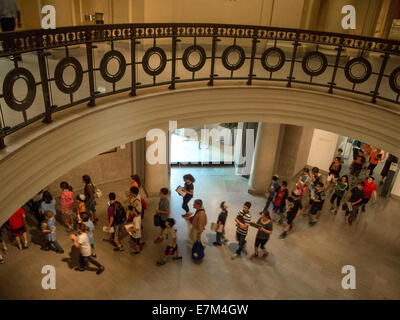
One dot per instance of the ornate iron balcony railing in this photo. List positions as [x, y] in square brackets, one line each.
[198, 50]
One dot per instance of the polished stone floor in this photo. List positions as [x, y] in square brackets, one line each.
[305, 265]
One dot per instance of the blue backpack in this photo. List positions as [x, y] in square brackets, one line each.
[198, 251]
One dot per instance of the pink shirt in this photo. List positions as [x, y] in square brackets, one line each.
[67, 200]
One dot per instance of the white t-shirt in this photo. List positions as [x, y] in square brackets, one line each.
[83, 240]
[137, 223]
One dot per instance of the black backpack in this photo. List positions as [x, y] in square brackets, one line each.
[119, 213]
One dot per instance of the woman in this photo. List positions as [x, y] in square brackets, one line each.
[340, 189]
[189, 189]
[262, 237]
[90, 200]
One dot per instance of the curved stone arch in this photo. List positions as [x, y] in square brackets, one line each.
[81, 134]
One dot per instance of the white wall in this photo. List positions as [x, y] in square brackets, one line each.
[323, 148]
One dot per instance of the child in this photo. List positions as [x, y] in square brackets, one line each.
[81, 207]
[356, 166]
[273, 191]
[49, 229]
[18, 229]
[221, 224]
[262, 237]
[334, 171]
[280, 203]
[89, 223]
[317, 203]
[163, 211]
[129, 214]
[82, 242]
[135, 232]
[340, 190]
[67, 205]
[172, 246]
[189, 188]
[242, 227]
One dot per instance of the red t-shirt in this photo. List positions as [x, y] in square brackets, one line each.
[368, 189]
[16, 221]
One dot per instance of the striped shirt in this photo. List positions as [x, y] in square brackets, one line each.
[247, 219]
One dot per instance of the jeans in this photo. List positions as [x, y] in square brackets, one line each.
[338, 199]
[91, 208]
[186, 200]
[241, 238]
[56, 244]
[220, 237]
[268, 203]
[83, 261]
[371, 168]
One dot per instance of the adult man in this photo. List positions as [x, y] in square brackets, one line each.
[293, 211]
[163, 211]
[369, 190]
[353, 200]
[199, 220]
[116, 215]
[242, 227]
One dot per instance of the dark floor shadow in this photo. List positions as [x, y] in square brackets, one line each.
[73, 259]
[31, 220]
[233, 246]
[37, 237]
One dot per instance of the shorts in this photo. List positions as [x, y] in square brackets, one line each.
[365, 201]
[290, 217]
[261, 243]
[136, 241]
[117, 230]
[162, 224]
[170, 251]
[18, 232]
[92, 245]
[331, 177]
[314, 210]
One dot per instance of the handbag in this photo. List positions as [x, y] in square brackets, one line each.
[157, 220]
[198, 250]
[98, 192]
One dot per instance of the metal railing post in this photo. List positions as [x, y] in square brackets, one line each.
[339, 52]
[380, 76]
[89, 53]
[295, 45]
[173, 61]
[45, 85]
[253, 54]
[213, 50]
[133, 62]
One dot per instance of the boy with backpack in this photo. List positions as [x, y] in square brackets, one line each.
[116, 218]
[172, 246]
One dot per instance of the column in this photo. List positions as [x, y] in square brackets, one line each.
[294, 151]
[263, 164]
[395, 193]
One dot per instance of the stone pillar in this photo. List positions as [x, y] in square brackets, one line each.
[244, 145]
[263, 164]
[156, 175]
[294, 150]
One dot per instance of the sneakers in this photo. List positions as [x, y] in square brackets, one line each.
[264, 256]
[79, 269]
[217, 244]
[161, 262]
[20, 246]
[118, 248]
[235, 256]
[26, 245]
[312, 223]
[100, 270]
[283, 235]
[253, 256]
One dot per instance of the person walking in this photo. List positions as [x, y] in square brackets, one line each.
[375, 157]
[281, 202]
[90, 197]
[369, 190]
[242, 220]
[116, 218]
[48, 204]
[353, 201]
[67, 205]
[199, 221]
[334, 172]
[82, 242]
[221, 224]
[294, 210]
[172, 243]
[263, 234]
[272, 191]
[18, 229]
[50, 233]
[317, 203]
[90, 225]
[340, 189]
[136, 232]
[163, 211]
[189, 189]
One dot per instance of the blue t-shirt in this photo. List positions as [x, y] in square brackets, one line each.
[276, 189]
[52, 236]
[90, 225]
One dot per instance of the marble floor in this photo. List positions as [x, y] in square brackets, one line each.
[305, 265]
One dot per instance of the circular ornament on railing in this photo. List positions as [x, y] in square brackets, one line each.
[154, 71]
[58, 75]
[394, 80]
[358, 70]
[8, 86]
[191, 51]
[314, 63]
[113, 54]
[239, 61]
[273, 53]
